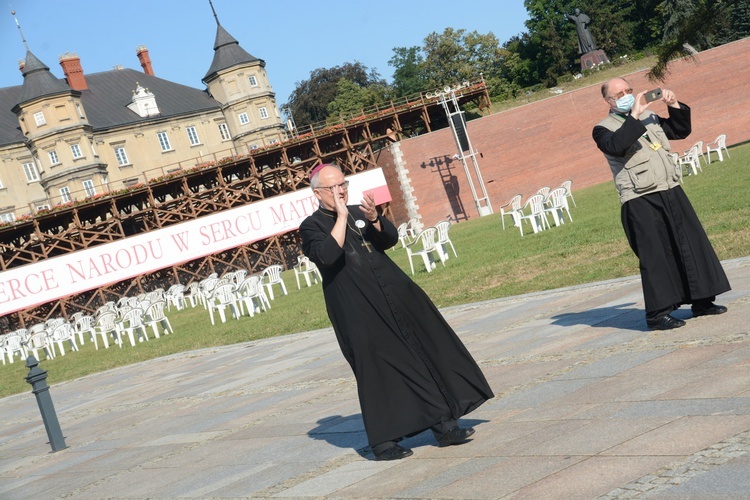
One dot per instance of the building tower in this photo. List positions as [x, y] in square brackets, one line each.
[239, 82]
[57, 133]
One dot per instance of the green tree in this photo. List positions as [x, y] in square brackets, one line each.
[454, 56]
[690, 25]
[352, 98]
[409, 72]
[309, 101]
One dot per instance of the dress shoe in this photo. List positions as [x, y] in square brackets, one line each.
[668, 322]
[709, 311]
[395, 452]
[456, 435]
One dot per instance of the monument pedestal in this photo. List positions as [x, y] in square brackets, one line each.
[593, 58]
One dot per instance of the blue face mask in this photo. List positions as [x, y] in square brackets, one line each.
[624, 103]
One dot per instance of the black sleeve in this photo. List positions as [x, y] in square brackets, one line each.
[678, 125]
[318, 244]
[386, 237]
[617, 143]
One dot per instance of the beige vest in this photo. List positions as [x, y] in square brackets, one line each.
[642, 170]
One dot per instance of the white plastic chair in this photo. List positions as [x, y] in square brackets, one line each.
[175, 296]
[716, 147]
[239, 276]
[223, 297]
[106, 326]
[14, 345]
[443, 239]
[555, 204]
[130, 323]
[512, 208]
[691, 159]
[536, 216]
[250, 295]
[306, 268]
[403, 235]
[194, 294]
[60, 334]
[412, 228]
[699, 146]
[424, 246]
[544, 191]
[156, 317]
[272, 276]
[40, 342]
[568, 185]
[206, 288]
[85, 324]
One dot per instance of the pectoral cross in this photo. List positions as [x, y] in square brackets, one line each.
[367, 245]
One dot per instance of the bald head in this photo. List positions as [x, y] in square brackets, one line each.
[315, 180]
[613, 82]
[327, 184]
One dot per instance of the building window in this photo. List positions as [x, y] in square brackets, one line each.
[8, 217]
[76, 149]
[1, 184]
[80, 111]
[40, 120]
[65, 194]
[193, 136]
[224, 131]
[244, 120]
[30, 170]
[164, 141]
[88, 186]
[272, 142]
[53, 159]
[263, 113]
[253, 81]
[122, 156]
[43, 206]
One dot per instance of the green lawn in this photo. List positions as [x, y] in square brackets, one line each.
[491, 263]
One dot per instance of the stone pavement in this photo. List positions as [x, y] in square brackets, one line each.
[588, 404]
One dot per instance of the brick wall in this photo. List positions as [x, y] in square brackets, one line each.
[549, 141]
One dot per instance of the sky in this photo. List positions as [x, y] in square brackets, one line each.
[293, 37]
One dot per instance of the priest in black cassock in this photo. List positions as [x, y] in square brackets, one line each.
[677, 262]
[412, 371]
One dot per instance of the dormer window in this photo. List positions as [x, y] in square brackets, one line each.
[143, 102]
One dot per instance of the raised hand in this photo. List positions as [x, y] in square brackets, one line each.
[368, 207]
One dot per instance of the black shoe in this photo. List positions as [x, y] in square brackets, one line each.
[456, 435]
[711, 310]
[395, 452]
[668, 322]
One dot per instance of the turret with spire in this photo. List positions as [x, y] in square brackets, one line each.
[238, 80]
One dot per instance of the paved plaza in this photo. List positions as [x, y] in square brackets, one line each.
[589, 404]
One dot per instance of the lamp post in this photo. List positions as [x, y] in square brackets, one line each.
[38, 380]
[466, 152]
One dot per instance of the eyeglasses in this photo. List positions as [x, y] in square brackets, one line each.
[620, 95]
[344, 185]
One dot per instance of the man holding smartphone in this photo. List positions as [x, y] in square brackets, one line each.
[677, 262]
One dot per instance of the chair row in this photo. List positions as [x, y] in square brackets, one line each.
[534, 211]
[691, 158]
[108, 323]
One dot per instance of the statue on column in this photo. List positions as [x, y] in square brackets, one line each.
[590, 55]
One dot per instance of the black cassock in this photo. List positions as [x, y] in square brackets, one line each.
[677, 262]
[412, 370]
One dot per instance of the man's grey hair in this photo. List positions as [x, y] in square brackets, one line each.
[315, 179]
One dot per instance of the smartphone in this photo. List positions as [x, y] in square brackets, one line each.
[653, 95]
